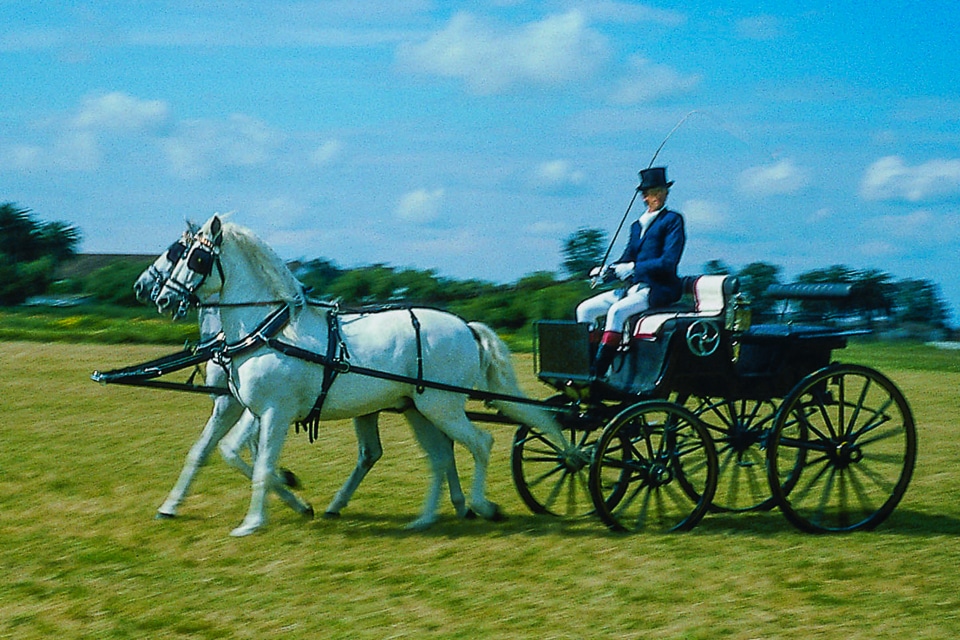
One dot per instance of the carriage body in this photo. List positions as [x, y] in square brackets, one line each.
[736, 416]
[706, 348]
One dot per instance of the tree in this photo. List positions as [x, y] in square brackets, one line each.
[583, 250]
[113, 283]
[871, 292]
[920, 301]
[716, 268]
[755, 279]
[30, 251]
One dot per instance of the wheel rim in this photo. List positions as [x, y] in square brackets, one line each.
[740, 430]
[549, 480]
[655, 469]
[853, 434]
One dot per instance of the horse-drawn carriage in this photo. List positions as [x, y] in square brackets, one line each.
[701, 410]
[704, 411]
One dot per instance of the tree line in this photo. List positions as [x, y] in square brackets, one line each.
[30, 251]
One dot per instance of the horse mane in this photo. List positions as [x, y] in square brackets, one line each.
[266, 261]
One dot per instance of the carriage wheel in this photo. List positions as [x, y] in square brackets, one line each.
[551, 481]
[854, 433]
[646, 462]
[740, 429]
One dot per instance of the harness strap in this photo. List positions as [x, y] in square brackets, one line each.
[311, 424]
[416, 329]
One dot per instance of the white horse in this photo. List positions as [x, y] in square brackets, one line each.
[229, 262]
[234, 428]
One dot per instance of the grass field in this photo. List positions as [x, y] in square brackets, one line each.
[83, 468]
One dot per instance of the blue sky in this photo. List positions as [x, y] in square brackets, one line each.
[473, 137]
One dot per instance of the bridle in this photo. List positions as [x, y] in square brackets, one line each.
[202, 256]
[173, 254]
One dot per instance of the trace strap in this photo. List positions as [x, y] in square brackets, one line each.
[333, 361]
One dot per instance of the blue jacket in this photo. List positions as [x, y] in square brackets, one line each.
[657, 256]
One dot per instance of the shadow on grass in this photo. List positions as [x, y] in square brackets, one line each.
[360, 524]
[771, 523]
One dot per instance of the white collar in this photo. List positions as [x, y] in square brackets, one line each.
[647, 216]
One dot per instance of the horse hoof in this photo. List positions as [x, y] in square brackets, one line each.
[290, 479]
[308, 513]
[164, 516]
[491, 513]
[420, 524]
[243, 531]
[330, 515]
[470, 514]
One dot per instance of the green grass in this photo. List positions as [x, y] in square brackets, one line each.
[83, 468]
[103, 325]
[901, 355]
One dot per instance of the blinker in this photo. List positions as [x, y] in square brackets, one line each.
[176, 251]
[201, 261]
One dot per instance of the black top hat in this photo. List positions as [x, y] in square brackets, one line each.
[652, 178]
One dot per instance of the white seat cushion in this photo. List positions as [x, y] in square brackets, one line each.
[709, 303]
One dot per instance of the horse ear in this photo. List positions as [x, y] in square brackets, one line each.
[216, 231]
[192, 227]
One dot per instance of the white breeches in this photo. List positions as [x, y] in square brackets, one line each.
[618, 304]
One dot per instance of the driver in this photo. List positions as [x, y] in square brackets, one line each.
[648, 268]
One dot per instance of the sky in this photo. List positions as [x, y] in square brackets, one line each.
[472, 138]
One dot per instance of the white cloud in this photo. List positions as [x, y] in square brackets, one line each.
[632, 13]
[557, 174]
[914, 224]
[73, 142]
[703, 215]
[421, 206]
[547, 228]
[200, 147]
[120, 112]
[326, 153]
[783, 177]
[762, 27]
[71, 151]
[649, 81]
[890, 178]
[552, 52]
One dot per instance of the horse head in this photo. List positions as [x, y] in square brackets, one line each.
[188, 279]
[147, 286]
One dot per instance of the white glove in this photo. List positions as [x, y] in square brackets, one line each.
[595, 272]
[623, 270]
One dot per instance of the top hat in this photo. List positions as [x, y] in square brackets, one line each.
[653, 178]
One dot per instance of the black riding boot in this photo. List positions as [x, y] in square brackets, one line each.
[602, 362]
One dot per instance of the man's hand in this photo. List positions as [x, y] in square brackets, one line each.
[623, 270]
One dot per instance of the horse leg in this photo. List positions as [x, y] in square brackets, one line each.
[446, 411]
[226, 411]
[439, 449]
[244, 434]
[274, 423]
[369, 450]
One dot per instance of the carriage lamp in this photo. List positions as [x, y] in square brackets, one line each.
[738, 317]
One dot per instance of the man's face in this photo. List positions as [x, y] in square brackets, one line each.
[655, 198]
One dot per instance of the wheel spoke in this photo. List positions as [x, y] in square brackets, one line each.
[551, 480]
[662, 477]
[864, 441]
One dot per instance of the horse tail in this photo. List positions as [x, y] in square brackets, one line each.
[499, 376]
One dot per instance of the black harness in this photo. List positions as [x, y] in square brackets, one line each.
[202, 256]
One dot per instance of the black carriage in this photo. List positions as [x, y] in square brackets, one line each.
[703, 410]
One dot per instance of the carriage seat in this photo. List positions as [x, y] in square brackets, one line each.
[710, 297]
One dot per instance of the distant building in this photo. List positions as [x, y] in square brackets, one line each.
[83, 264]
